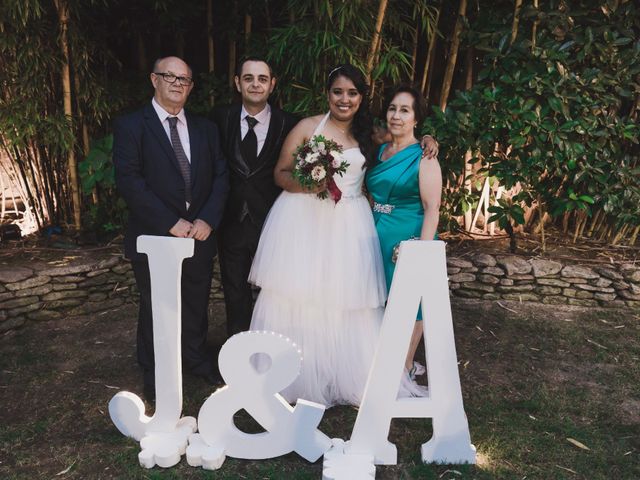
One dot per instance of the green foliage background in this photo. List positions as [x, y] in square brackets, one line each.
[558, 119]
[556, 122]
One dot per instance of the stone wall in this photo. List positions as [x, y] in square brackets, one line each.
[510, 277]
[43, 292]
[94, 283]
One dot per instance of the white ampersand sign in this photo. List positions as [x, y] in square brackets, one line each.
[287, 428]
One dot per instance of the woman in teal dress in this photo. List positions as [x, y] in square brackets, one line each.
[406, 189]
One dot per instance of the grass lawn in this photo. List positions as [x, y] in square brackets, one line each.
[550, 393]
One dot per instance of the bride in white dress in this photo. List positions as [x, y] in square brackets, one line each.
[318, 262]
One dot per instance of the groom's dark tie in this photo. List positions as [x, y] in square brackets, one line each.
[249, 144]
[183, 161]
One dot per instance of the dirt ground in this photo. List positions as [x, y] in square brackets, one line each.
[57, 377]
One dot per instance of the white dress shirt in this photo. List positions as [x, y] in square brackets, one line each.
[181, 125]
[261, 128]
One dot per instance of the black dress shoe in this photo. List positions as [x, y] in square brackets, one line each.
[149, 392]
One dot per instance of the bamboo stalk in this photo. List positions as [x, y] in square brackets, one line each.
[620, 235]
[141, 55]
[516, 21]
[247, 30]
[4, 198]
[580, 221]
[594, 222]
[634, 236]
[543, 240]
[565, 222]
[601, 222]
[534, 29]
[584, 225]
[414, 54]
[210, 45]
[453, 55]
[429, 60]
[63, 17]
[376, 40]
[231, 71]
[232, 61]
[267, 15]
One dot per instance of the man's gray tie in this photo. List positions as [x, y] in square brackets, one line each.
[183, 161]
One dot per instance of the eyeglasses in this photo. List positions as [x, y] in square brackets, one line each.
[171, 78]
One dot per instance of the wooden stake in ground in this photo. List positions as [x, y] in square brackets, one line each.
[63, 18]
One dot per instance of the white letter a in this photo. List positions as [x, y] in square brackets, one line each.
[420, 275]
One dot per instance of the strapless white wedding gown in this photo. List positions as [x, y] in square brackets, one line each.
[322, 282]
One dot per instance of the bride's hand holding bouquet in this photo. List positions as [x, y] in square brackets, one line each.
[316, 163]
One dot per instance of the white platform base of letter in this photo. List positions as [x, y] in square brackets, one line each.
[338, 465]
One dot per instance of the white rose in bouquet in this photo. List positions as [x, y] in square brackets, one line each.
[337, 159]
[312, 158]
[318, 173]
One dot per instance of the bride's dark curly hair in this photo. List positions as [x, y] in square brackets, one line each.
[362, 125]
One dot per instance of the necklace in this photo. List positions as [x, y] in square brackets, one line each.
[344, 131]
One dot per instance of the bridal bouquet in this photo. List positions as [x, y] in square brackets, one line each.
[317, 160]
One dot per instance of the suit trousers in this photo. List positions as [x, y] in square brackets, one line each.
[238, 242]
[195, 290]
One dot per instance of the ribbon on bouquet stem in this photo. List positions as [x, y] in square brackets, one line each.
[334, 191]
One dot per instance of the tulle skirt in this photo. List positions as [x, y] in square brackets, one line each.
[322, 283]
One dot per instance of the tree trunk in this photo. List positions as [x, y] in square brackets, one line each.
[516, 21]
[426, 78]
[63, 18]
[453, 55]
[376, 40]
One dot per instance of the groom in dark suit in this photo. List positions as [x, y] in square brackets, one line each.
[171, 172]
[252, 132]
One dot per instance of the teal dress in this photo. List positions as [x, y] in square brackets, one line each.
[397, 209]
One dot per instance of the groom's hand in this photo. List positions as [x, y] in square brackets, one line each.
[200, 231]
